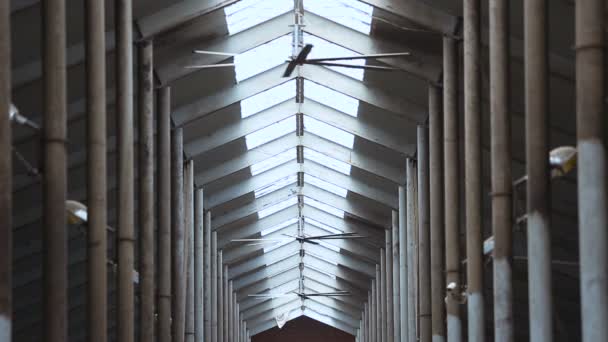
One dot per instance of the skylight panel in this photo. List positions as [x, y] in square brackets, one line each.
[248, 13]
[279, 226]
[327, 161]
[268, 98]
[331, 98]
[328, 132]
[273, 162]
[272, 132]
[329, 246]
[325, 49]
[350, 13]
[319, 183]
[322, 226]
[281, 183]
[322, 271]
[277, 207]
[262, 58]
[322, 206]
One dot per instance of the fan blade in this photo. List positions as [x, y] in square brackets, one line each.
[371, 56]
[204, 52]
[365, 67]
[210, 66]
[299, 60]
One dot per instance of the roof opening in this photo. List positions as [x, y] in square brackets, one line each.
[262, 58]
[331, 98]
[350, 13]
[279, 226]
[324, 49]
[327, 186]
[270, 133]
[246, 14]
[327, 161]
[325, 207]
[281, 183]
[273, 162]
[328, 132]
[277, 207]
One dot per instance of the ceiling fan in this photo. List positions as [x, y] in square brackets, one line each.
[302, 59]
[302, 295]
[302, 239]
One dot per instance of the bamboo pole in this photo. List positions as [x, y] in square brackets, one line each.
[97, 202]
[55, 172]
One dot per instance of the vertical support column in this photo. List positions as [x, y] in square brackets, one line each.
[363, 325]
[199, 222]
[6, 169]
[403, 284]
[146, 191]
[164, 213]
[436, 215]
[382, 292]
[220, 297]
[225, 304]
[396, 286]
[178, 236]
[373, 312]
[124, 113]
[378, 302]
[592, 187]
[389, 286]
[97, 202]
[207, 275]
[55, 172]
[237, 319]
[424, 251]
[231, 308]
[451, 186]
[501, 169]
[537, 169]
[189, 227]
[214, 332]
[472, 169]
[411, 226]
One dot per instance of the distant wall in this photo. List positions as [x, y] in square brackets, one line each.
[304, 329]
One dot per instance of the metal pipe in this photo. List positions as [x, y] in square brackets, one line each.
[97, 202]
[472, 169]
[363, 334]
[225, 304]
[411, 226]
[501, 169]
[124, 113]
[383, 297]
[178, 236]
[436, 215]
[207, 275]
[537, 169]
[199, 222]
[592, 187]
[238, 321]
[55, 172]
[189, 227]
[389, 285]
[395, 256]
[146, 191]
[424, 252]
[220, 297]
[6, 169]
[403, 284]
[451, 187]
[164, 213]
[214, 332]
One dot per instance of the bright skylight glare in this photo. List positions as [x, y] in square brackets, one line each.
[319, 183]
[273, 161]
[325, 49]
[281, 183]
[277, 207]
[279, 226]
[327, 161]
[249, 13]
[322, 206]
[350, 13]
[323, 226]
[262, 58]
[268, 98]
[270, 133]
[331, 98]
[328, 132]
